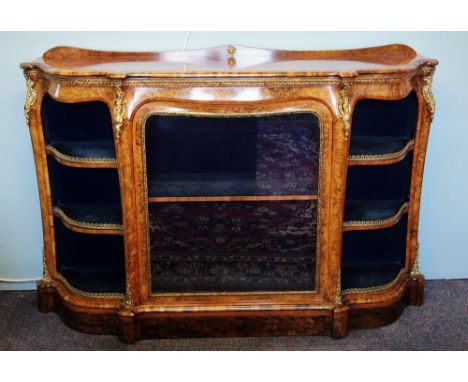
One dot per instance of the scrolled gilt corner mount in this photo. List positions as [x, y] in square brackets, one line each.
[345, 110]
[31, 97]
[229, 191]
[120, 109]
[427, 90]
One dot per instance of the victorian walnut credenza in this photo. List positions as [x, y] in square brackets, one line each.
[229, 191]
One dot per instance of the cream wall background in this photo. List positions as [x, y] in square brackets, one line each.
[444, 207]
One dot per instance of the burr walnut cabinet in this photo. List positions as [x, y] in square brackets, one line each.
[229, 191]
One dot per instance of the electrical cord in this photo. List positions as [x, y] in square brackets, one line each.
[187, 35]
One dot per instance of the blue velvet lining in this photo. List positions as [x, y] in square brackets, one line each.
[86, 149]
[377, 145]
[373, 257]
[371, 209]
[367, 275]
[83, 121]
[91, 263]
[385, 182]
[383, 118]
[83, 186]
[209, 156]
[93, 213]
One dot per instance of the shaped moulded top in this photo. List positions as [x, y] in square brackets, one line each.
[229, 61]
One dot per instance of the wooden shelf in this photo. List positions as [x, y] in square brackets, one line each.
[92, 219]
[92, 265]
[373, 214]
[91, 154]
[366, 151]
[95, 283]
[253, 198]
[369, 277]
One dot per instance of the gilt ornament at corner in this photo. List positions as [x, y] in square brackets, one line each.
[344, 109]
[31, 97]
[415, 268]
[338, 300]
[45, 272]
[427, 90]
[128, 302]
[119, 110]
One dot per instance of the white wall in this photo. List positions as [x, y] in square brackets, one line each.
[443, 237]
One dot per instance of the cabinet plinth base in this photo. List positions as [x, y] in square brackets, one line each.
[45, 297]
[416, 290]
[132, 326]
[340, 322]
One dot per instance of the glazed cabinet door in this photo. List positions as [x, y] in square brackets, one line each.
[231, 203]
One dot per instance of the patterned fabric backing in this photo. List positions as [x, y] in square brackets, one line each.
[233, 246]
[288, 150]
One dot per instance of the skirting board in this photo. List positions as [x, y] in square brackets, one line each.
[28, 285]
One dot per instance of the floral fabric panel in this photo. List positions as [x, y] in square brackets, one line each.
[233, 246]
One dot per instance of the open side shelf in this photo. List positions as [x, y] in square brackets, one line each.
[385, 118]
[83, 186]
[371, 276]
[378, 150]
[383, 131]
[377, 192]
[86, 200]
[384, 182]
[372, 258]
[103, 219]
[90, 263]
[100, 154]
[78, 134]
[373, 214]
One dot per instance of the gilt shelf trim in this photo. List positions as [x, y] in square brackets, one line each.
[79, 292]
[109, 228]
[378, 159]
[377, 288]
[72, 161]
[376, 224]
